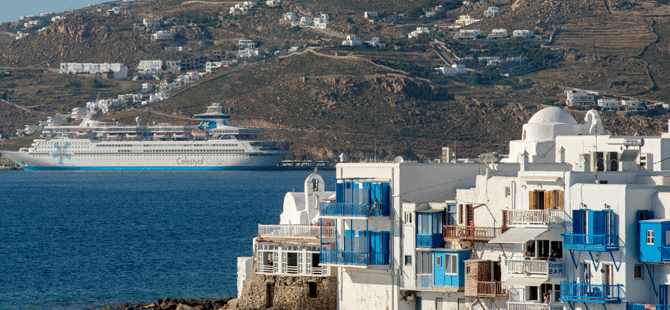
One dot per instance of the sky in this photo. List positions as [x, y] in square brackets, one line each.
[11, 10]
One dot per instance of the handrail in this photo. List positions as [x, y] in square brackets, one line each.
[296, 231]
[588, 242]
[535, 217]
[472, 232]
[591, 292]
[354, 209]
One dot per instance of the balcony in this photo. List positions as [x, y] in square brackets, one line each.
[533, 306]
[550, 269]
[472, 233]
[598, 293]
[429, 240]
[584, 242]
[535, 217]
[488, 289]
[354, 209]
[354, 258]
[296, 231]
[424, 281]
[648, 307]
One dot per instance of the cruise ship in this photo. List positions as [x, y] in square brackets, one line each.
[214, 144]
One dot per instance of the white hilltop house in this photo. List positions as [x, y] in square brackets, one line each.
[352, 40]
[322, 21]
[419, 31]
[150, 65]
[370, 15]
[239, 9]
[466, 20]
[609, 104]
[572, 219]
[163, 35]
[491, 11]
[633, 105]
[119, 71]
[452, 70]
[273, 3]
[374, 42]
[290, 16]
[497, 34]
[151, 23]
[246, 43]
[522, 34]
[579, 98]
[305, 21]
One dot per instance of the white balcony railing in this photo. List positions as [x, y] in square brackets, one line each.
[296, 231]
[535, 217]
[550, 268]
[530, 305]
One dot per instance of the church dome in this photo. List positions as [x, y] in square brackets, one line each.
[552, 115]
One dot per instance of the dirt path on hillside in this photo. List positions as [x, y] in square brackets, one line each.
[15, 105]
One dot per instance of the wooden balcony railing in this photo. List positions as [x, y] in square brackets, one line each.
[529, 305]
[492, 289]
[473, 233]
[296, 231]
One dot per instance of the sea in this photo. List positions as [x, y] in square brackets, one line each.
[82, 240]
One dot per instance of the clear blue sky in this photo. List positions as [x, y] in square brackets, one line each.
[11, 10]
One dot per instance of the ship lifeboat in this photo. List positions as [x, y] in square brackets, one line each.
[133, 136]
[161, 135]
[199, 134]
[114, 136]
[83, 133]
[180, 135]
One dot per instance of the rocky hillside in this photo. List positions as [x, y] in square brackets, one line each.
[327, 99]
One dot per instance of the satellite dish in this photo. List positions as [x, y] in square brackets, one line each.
[398, 160]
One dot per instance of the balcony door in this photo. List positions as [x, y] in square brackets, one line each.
[608, 274]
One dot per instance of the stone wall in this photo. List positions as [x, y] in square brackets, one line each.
[290, 292]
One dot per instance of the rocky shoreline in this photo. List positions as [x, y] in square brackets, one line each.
[167, 303]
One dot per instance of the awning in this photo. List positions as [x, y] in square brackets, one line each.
[525, 281]
[519, 235]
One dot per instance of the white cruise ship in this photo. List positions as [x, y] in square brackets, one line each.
[94, 145]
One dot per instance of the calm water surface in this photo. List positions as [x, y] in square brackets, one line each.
[76, 240]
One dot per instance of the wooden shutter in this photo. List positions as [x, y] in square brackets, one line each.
[559, 197]
[548, 200]
[531, 200]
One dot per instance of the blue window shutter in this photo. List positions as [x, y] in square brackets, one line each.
[598, 226]
[386, 240]
[354, 185]
[349, 233]
[385, 193]
[591, 224]
[663, 292]
[339, 193]
[577, 221]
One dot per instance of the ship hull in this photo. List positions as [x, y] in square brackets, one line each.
[87, 161]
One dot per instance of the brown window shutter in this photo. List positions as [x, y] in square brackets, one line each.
[548, 200]
[560, 200]
[531, 200]
[460, 214]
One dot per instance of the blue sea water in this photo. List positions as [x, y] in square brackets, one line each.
[78, 240]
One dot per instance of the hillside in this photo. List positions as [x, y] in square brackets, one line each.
[327, 99]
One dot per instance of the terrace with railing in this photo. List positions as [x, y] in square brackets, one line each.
[429, 240]
[296, 231]
[336, 257]
[586, 242]
[488, 289]
[535, 217]
[647, 307]
[424, 281]
[354, 209]
[472, 233]
[597, 293]
[535, 267]
[534, 306]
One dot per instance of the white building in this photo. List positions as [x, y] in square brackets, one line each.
[79, 113]
[174, 48]
[453, 70]
[150, 65]
[579, 98]
[20, 34]
[491, 11]
[290, 16]
[273, 3]
[306, 21]
[33, 23]
[163, 35]
[497, 34]
[465, 20]
[173, 64]
[148, 87]
[151, 23]
[632, 105]
[248, 53]
[114, 10]
[352, 40]
[370, 15]
[609, 104]
[120, 71]
[468, 34]
[239, 9]
[374, 42]
[419, 31]
[321, 22]
[522, 34]
[245, 43]
[57, 18]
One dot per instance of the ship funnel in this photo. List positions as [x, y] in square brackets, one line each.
[138, 120]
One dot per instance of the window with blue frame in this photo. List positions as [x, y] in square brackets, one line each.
[429, 229]
[451, 215]
[593, 230]
[371, 247]
[359, 199]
